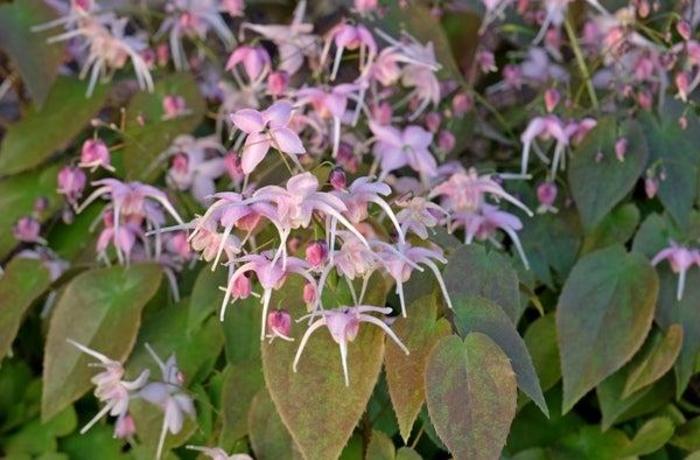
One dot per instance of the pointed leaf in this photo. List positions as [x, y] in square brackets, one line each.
[36, 60]
[651, 437]
[541, 341]
[206, 296]
[473, 271]
[40, 133]
[604, 313]
[314, 403]
[268, 435]
[100, 309]
[471, 395]
[656, 361]
[599, 183]
[476, 314]
[22, 283]
[419, 331]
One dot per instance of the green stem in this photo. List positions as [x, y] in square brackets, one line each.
[580, 61]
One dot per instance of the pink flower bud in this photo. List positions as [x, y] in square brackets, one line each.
[241, 287]
[232, 163]
[684, 30]
[279, 322]
[173, 106]
[462, 103]
[547, 193]
[346, 157]
[551, 99]
[446, 141]
[643, 8]
[621, 149]
[487, 61]
[27, 230]
[180, 164]
[365, 6]
[94, 154]
[645, 100]
[233, 7]
[40, 205]
[683, 84]
[71, 182]
[277, 83]
[338, 179]
[513, 76]
[683, 122]
[309, 294]
[293, 244]
[317, 253]
[162, 54]
[651, 186]
[432, 122]
[124, 427]
[382, 113]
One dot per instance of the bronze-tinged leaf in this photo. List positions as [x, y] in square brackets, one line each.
[22, 283]
[318, 409]
[100, 309]
[655, 361]
[268, 435]
[604, 314]
[419, 331]
[476, 314]
[37, 61]
[472, 270]
[40, 133]
[471, 395]
[598, 182]
[144, 142]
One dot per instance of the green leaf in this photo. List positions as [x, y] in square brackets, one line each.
[36, 60]
[242, 330]
[314, 403]
[684, 312]
[616, 227]
[144, 143]
[604, 313]
[22, 283]
[541, 341]
[590, 443]
[40, 133]
[100, 309]
[241, 383]
[268, 435]
[37, 437]
[419, 331]
[657, 359]
[674, 152]
[472, 271]
[651, 437]
[476, 314]
[380, 447]
[597, 186]
[100, 439]
[206, 296]
[17, 197]
[688, 435]
[471, 395]
[407, 453]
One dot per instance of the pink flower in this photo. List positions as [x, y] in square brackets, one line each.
[95, 154]
[233, 7]
[71, 183]
[344, 324]
[123, 238]
[111, 390]
[680, 259]
[364, 7]
[346, 36]
[651, 185]
[232, 163]
[461, 104]
[338, 179]
[546, 195]
[446, 141]
[418, 214]
[551, 99]
[279, 323]
[621, 149]
[255, 60]
[316, 253]
[545, 128]
[27, 230]
[395, 149]
[264, 130]
[277, 83]
[219, 454]
[684, 30]
[124, 427]
[174, 106]
[195, 165]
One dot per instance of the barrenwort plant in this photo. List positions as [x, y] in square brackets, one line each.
[394, 229]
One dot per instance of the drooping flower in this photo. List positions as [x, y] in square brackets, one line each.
[279, 323]
[351, 37]
[344, 324]
[545, 128]
[216, 453]
[71, 183]
[681, 259]
[95, 154]
[195, 165]
[27, 230]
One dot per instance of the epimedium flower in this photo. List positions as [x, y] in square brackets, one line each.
[395, 149]
[343, 325]
[255, 60]
[28, 230]
[350, 37]
[418, 214]
[95, 154]
[681, 259]
[71, 183]
[111, 389]
[279, 323]
[264, 130]
[546, 127]
[170, 396]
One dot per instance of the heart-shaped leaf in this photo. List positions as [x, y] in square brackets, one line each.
[471, 395]
[36, 60]
[598, 179]
[314, 403]
[23, 282]
[420, 330]
[655, 359]
[64, 114]
[100, 309]
[473, 271]
[604, 313]
[268, 435]
[476, 314]
[145, 141]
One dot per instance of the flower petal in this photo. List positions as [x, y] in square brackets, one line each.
[256, 146]
[287, 141]
[278, 114]
[248, 120]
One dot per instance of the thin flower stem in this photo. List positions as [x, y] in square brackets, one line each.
[580, 61]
